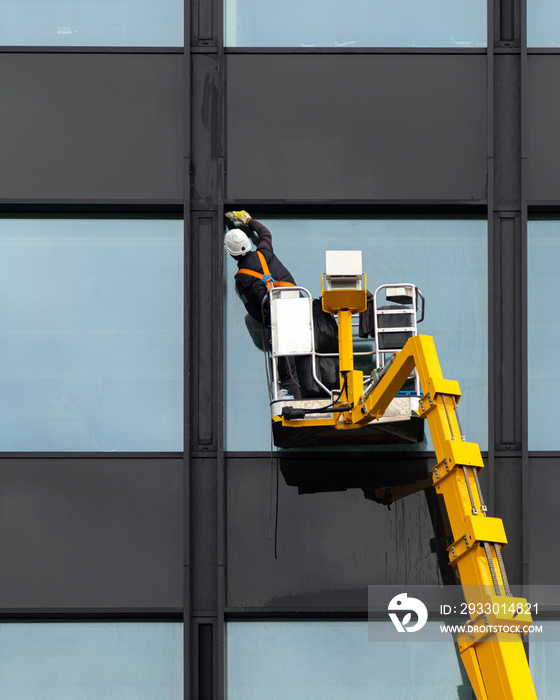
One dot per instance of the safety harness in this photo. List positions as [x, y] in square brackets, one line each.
[265, 275]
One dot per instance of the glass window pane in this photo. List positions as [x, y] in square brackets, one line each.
[91, 335]
[357, 23]
[543, 319]
[543, 23]
[446, 259]
[544, 659]
[91, 23]
[333, 660]
[109, 660]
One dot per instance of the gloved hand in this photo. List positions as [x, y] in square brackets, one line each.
[242, 216]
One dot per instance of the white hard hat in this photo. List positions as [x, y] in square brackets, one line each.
[237, 242]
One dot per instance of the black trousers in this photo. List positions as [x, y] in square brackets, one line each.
[288, 376]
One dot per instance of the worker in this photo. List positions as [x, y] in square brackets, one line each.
[258, 271]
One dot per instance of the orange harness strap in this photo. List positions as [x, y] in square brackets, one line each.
[265, 276]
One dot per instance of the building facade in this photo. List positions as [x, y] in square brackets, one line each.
[153, 543]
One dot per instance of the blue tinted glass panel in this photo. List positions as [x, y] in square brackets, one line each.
[356, 23]
[543, 318]
[544, 659]
[91, 23]
[113, 661]
[447, 260]
[334, 660]
[91, 335]
[543, 23]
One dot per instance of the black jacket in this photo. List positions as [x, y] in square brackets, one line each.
[252, 290]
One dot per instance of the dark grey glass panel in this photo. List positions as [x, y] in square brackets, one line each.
[543, 552]
[109, 660]
[91, 23]
[278, 660]
[543, 318]
[91, 126]
[91, 335]
[97, 534]
[446, 259]
[356, 127]
[330, 546]
[543, 23]
[355, 23]
[543, 136]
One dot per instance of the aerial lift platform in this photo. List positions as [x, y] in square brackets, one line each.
[365, 412]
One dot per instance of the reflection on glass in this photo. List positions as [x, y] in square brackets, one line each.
[109, 660]
[333, 660]
[91, 335]
[543, 318]
[356, 23]
[543, 23]
[447, 260]
[91, 23]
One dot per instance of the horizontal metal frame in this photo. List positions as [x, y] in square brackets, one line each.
[91, 455]
[89, 207]
[144, 208]
[544, 50]
[91, 615]
[550, 207]
[440, 208]
[273, 50]
[324, 455]
[92, 49]
[356, 50]
[303, 613]
[324, 614]
[468, 208]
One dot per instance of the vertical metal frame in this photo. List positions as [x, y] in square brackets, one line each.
[491, 24]
[204, 497]
[188, 647]
[525, 483]
[506, 227]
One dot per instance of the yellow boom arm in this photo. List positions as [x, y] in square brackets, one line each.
[495, 660]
